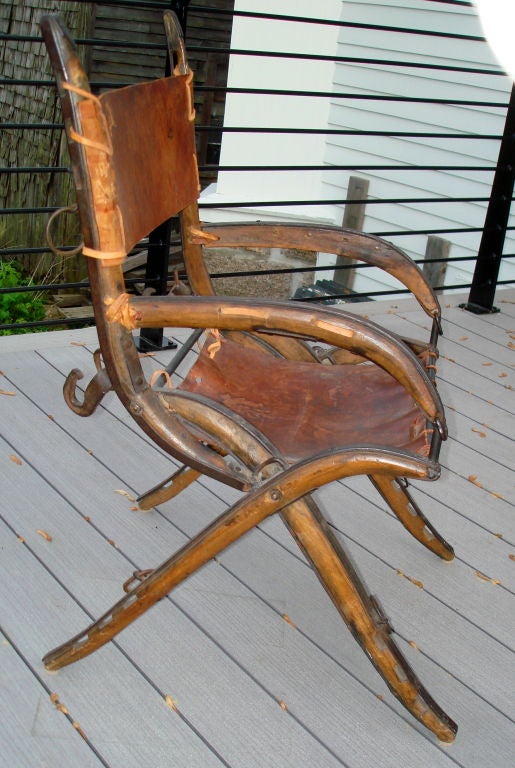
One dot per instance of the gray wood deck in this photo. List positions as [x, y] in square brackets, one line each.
[249, 687]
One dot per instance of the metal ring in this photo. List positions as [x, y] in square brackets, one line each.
[58, 251]
[256, 474]
[136, 576]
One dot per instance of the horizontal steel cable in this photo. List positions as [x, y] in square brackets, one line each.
[192, 49]
[98, 85]
[270, 168]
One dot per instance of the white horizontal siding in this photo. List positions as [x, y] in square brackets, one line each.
[389, 80]
[255, 187]
[251, 110]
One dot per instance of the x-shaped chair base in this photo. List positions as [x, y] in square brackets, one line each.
[132, 176]
[360, 611]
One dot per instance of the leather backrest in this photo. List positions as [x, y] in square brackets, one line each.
[150, 172]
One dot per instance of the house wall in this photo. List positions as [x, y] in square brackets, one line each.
[358, 114]
[404, 116]
[205, 31]
[252, 110]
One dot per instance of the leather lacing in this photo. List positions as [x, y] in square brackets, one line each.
[157, 374]
[212, 348]
[106, 149]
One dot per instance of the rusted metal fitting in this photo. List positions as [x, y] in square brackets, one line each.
[136, 576]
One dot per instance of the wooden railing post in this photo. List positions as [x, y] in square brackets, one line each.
[437, 248]
[353, 218]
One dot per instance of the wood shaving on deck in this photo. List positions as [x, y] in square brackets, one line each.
[486, 578]
[54, 698]
[44, 534]
[126, 494]
[15, 460]
[7, 392]
[79, 730]
[416, 582]
[473, 479]
[478, 432]
[288, 620]
[171, 702]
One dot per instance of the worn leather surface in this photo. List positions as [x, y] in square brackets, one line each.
[153, 157]
[304, 408]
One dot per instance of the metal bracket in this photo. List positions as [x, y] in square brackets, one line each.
[99, 385]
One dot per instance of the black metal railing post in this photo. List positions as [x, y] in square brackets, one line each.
[159, 240]
[486, 272]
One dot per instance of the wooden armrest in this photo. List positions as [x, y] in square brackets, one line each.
[359, 336]
[326, 239]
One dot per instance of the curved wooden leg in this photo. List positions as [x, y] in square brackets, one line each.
[226, 529]
[168, 489]
[398, 498]
[362, 614]
[274, 495]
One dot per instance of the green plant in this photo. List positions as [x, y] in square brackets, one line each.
[20, 306]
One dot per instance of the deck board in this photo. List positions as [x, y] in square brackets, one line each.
[251, 688]
[39, 733]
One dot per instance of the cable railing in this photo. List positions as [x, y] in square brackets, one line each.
[488, 258]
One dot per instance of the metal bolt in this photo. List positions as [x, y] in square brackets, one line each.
[136, 408]
[275, 494]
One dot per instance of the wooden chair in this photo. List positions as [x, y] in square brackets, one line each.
[265, 408]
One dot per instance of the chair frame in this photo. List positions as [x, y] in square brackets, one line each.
[233, 451]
